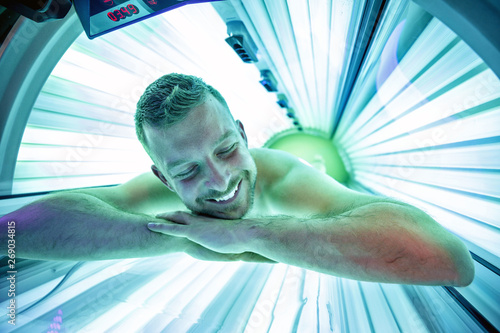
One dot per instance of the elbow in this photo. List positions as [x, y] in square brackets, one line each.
[448, 265]
[464, 280]
[447, 269]
[463, 264]
[465, 270]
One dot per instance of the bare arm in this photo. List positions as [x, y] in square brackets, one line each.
[338, 231]
[372, 237]
[79, 226]
[382, 242]
[102, 223]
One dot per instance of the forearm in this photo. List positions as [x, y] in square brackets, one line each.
[381, 242]
[75, 226]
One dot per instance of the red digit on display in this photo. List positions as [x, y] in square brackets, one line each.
[125, 11]
[132, 8]
[118, 14]
[112, 17]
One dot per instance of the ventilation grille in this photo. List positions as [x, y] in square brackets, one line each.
[241, 42]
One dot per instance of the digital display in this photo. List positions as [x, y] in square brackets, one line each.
[122, 13]
[102, 16]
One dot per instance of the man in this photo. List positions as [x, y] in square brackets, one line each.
[254, 205]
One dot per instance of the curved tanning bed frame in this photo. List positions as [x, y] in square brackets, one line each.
[39, 11]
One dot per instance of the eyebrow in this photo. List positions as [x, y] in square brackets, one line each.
[224, 137]
[183, 161]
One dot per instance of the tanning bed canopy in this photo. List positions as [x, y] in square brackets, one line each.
[97, 16]
[102, 16]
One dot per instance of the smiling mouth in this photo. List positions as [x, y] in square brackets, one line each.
[229, 197]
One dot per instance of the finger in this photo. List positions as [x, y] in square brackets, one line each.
[164, 228]
[254, 257]
[176, 217]
[197, 251]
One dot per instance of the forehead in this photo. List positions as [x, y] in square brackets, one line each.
[192, 137]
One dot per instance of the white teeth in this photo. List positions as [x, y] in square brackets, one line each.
[227, 197]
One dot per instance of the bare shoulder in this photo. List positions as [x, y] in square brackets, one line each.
[272, 163]
[143, 194]
[275, 173]
[298, 189]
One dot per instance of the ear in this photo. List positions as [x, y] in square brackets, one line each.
[241, 129]
[160, 176]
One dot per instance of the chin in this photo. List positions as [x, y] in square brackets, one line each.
[237, 209]
[231, 214]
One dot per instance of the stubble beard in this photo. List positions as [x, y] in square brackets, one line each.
[231, 211]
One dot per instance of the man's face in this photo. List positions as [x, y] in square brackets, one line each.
[205, 160]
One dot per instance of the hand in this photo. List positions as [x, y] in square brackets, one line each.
[202, 253]
[213, 238]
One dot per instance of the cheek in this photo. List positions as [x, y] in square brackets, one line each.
[244, 160]
[187, 190]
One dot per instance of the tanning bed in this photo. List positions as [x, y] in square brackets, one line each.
[410, 108]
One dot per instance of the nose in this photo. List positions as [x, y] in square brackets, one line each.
[218, 175]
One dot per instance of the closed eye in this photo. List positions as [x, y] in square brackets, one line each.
[227, 151]
[188, 173]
